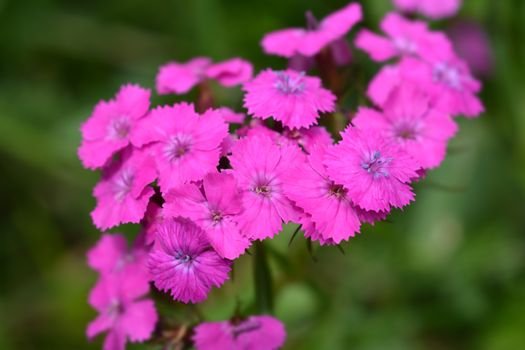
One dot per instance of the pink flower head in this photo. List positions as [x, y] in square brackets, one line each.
[434, 9]
[254, 333]
[179, 78]
[327, 203]
[288, 96]
[111, 255]
[213, 207]
[409, 121]
[375, 173]
[308, 42]
[183, 262]
[259, 166]
[121, 311]
[186, 145]
[123, 192]
[404, 37]
[110, 127]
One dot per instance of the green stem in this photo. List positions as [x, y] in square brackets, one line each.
[262, 280]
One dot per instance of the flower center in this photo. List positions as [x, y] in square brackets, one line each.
[216, 216]
[405, 131]
[337, 191]
[448, 75]
[177, 147]
[249, 325]
[182, 257]
[289, 85]
[115, 309]
[405, 45]
[122, 184]
[376, 165]
[119, 128]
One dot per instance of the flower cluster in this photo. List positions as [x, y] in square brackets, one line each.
[205, 182]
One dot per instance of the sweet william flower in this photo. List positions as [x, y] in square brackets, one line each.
[110, 127]
[213, 207]
[186, 145]
[123, 192]
[409, 120]
[123, 313]
[375, 172]
[183, 262]
[253, 333]
[259, 166]
[291, 97]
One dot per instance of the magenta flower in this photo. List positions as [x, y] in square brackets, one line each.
[183, 262]
[409, 121]
[121, 311]
[306, 42]
[213, 207]
[186, 145]
[254, 333]
[259, 166]
[111, 255]
[123, 192]
[434, 9]
[375, 172]
[110, 127]
[325, 201]
[179, 78]
[288, 96]
[404, 37]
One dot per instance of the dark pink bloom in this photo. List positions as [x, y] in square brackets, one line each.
[327, 203]
[186, 145]
[434, 9]
[110, 127]
[409, 120]
[404, 37]
[123, 192]
[254, 333]
[179, 78]
[288, 96]
[121, 311]
[183, 262]
[375, 172]
[306, 42]
[259, 166]
[213, 207]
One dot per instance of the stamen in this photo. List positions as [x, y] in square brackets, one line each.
[448, 75]
[288, 85]
[376, 165]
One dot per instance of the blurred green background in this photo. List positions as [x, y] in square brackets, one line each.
[447, 273]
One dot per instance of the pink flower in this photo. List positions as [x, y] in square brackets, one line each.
[183, 262]
[404, 37]
[259, 166]
[375, 172]
[186, 145]
[288, 96]
[306, 42]
[121, 312]
[409, 121]
[123, 192]
[254, 333]
[327, 203]
[213, 207]
[110, 127]
[111, 255]
[179, 78]
[434, 9]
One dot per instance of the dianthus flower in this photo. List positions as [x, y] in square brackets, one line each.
[434, 9]
[254, 333]
[123, 192]
[212, 206]
[186, 145]
[409, 120]
[327, 203]
[179, 78]
[121, 311]
[110, 127]
[291, 97]
[375, 173]
[309, 42]
[259, 166]
[183, 262]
